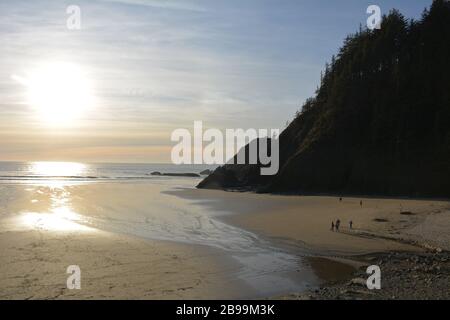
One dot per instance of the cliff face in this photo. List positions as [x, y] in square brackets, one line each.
[380, 120]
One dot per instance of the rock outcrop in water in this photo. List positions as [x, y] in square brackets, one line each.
[380, 120]
[191, 175]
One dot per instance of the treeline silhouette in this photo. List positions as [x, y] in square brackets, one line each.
[379, 122]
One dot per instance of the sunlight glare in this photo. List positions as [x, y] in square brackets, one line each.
[59, 92]
[57, 169]
[61, 219]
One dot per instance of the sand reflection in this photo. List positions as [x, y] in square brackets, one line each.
[61, 219]
[53, 210]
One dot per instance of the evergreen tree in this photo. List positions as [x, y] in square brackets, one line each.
[380, 119]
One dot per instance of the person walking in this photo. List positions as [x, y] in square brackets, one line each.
[332, 225]
[351, 224]
[338, 224]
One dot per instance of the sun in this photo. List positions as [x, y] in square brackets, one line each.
[60, 93]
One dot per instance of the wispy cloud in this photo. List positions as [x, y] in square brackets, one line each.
[166, 4]
[160, 65]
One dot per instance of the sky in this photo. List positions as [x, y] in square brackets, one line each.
[152, 66]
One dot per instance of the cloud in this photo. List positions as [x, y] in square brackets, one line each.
[157, 65]
[165, 4]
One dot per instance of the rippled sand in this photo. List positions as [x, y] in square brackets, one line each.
[116, 231]
[165, 239]
[42, 232]
[305, 221]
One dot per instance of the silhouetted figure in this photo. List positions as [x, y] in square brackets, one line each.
[338, 224]
[351, 224]
[332, 225]
[360, 203]
[340, 199]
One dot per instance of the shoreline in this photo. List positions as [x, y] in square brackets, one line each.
[61, 219]
[400, 242]
[304, 222]
[45, 229]
[294, 246]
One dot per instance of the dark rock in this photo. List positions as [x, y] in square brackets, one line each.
[222, 178]
[358, 281]
[192, 175]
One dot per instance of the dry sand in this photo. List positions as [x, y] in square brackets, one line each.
[305, 221]
[408, 239]
[33, 266]
[34, 259]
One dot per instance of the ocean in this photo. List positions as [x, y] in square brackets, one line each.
[126, 199]
[75, 171]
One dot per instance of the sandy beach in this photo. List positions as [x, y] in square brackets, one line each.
[407, 238]
[37, 245]
[170, 241]
[34, 266]
[305, 221]
[133, 240]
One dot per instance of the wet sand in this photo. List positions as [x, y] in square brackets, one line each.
[33, 266]
[409, 239]
[147, 241]
[133, 240]
[305, 221]
[40, 238]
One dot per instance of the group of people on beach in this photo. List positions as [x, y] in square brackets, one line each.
[337, 225]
